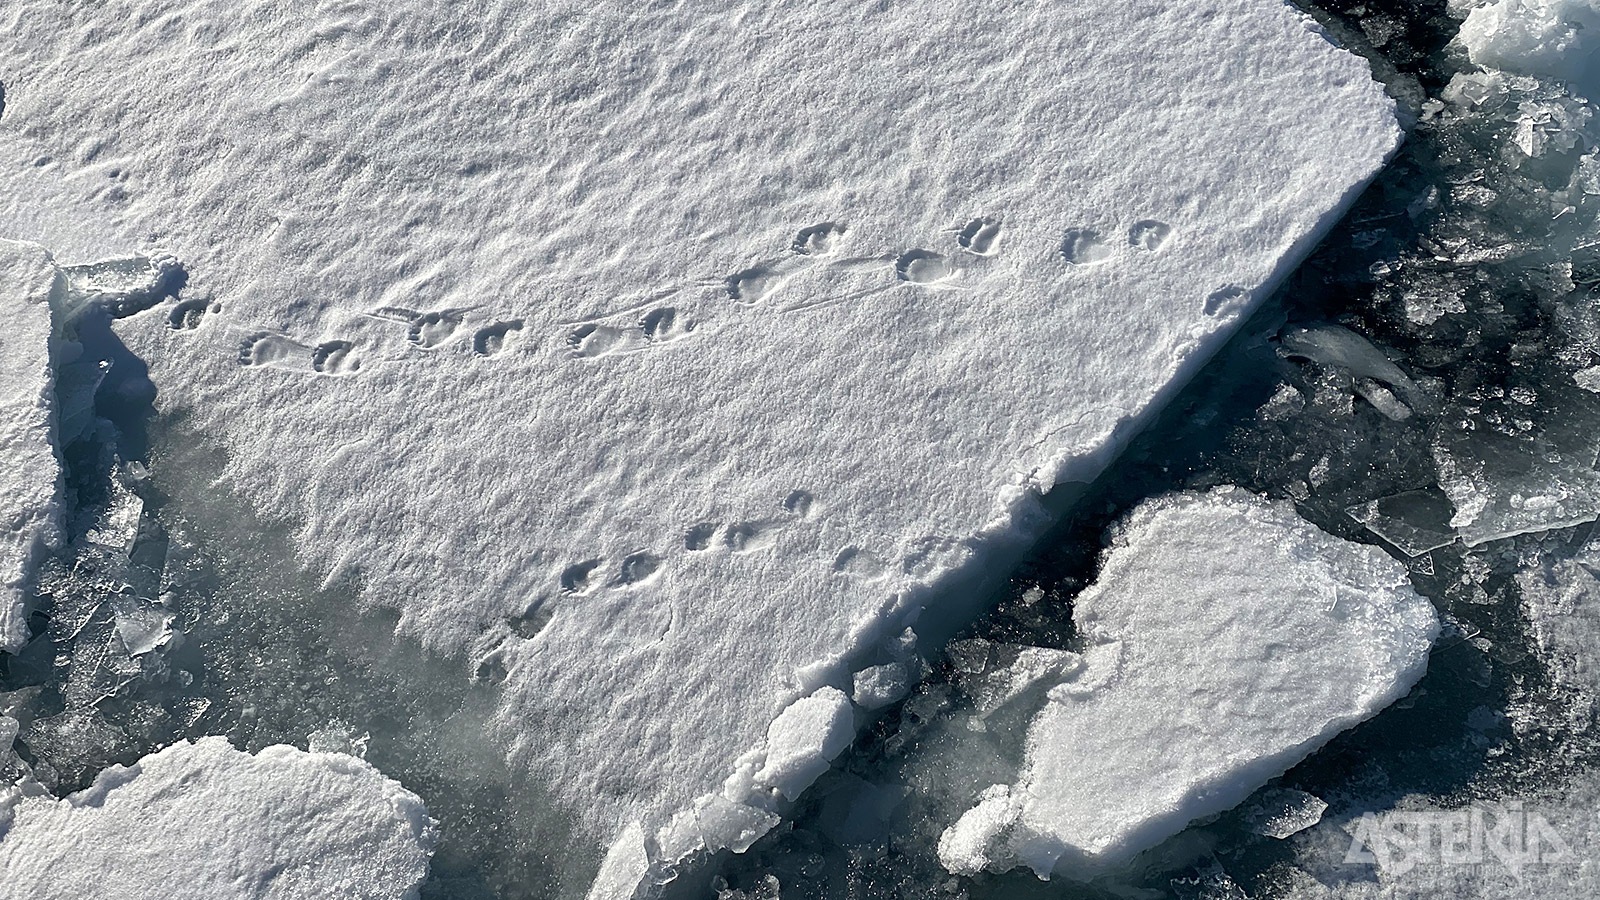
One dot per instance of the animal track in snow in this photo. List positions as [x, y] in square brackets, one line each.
[756, 282]
[820, 239]
[658, 326]
[980, 236]
[578, 578]
[429, 330]
[798, 503]
[699, 537]
[270, 350]
[530, 623]
[1229, 299]
[748, 537]
[637, 567]
[1149, 234]
[187, 315]
[492, 340]
[335, 358]
[923, 267]
[424, 329]
[857, 563]
[1084, 247]
[739, 537]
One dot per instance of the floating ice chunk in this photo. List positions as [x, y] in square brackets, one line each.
[697, 368]
[804, 738]
[623, 868]
[1284, 812]
[1414, 522]
[1246, 639]
[118, 524]
[30, 475]
[1502, 485]
[878, 686]
[205, 820]
[732, 826]
[1556, 38]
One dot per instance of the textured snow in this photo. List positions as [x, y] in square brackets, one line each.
[1233, 639]
[30, 476]
[663, 358]
[1556, 38]
[205, 820]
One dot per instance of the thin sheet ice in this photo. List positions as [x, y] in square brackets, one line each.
[1227, 640]
[30, 476]
[206, 820]
[661, 359]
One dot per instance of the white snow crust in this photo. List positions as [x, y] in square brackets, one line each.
[1555, 38]
[673, 357]
[1232, 640]
[205, 820]
[30, 475]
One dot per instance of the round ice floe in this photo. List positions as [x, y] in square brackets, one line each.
[1245, 639]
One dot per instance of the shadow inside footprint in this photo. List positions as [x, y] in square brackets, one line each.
[493, 339]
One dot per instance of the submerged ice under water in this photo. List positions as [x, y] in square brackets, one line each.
[1429, 381]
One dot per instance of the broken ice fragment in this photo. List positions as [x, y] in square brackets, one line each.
[804, 738]
[879, 686]
[1246, 638]
[1283, 812]
[1414, 522]
[732, 826]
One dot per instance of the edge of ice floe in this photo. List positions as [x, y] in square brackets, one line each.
[47, 537]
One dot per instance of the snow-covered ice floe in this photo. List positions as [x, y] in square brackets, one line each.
[205, 820]
[666, 362]
[1227, 639]
[30, 475]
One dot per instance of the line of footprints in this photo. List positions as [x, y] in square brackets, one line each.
[735, 537]
[653, 323]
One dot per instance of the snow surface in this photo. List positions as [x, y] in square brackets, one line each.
[205, 820]
[663, 359]
[1556, 38]
[30, 475]
[1233, 639]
